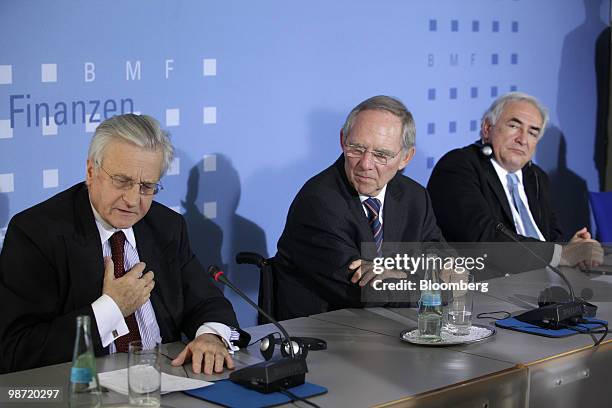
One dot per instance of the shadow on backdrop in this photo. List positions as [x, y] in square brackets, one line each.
[569, 192]
[275, 185]
[206, 237]
[583, 85]
[218, 241]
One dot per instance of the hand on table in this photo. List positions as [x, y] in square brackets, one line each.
[363, 273]
[209, 349]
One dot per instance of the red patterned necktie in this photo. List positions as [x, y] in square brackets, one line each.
[117, 242]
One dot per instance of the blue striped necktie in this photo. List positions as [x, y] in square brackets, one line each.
[372, 206]
[530, 230]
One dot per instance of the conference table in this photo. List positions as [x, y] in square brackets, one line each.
[366, 363]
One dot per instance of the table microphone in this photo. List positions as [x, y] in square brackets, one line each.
[272, 375]
[551, 315]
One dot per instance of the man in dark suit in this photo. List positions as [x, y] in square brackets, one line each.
[493, 181]
[361, 198]
[104, 248]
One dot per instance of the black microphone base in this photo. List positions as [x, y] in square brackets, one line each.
[551, 316]
[273, 375]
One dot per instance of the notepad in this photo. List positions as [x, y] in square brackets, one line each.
[118, 381]
[229, 394]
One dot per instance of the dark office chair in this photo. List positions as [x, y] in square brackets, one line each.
[267, 282]
[601, 204]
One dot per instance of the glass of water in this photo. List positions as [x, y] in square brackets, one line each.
[144, 375]
[458, 311]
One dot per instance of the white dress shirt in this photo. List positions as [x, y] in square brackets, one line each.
[518, 223]
[109, 318]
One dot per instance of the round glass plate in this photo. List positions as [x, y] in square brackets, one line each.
[478, 332]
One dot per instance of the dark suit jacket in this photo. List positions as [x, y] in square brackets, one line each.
[469, 201]
[51, 270]
[325, 227]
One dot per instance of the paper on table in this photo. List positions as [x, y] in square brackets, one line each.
[117, 381]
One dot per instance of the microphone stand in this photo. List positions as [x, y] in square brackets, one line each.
[269, 376]
[552, 315]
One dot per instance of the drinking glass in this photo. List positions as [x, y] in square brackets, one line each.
[144, 375]
[458, 313]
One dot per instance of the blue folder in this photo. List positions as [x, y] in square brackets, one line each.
[229, 394]
[513, 324]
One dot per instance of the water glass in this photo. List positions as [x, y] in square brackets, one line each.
[144, 375]
[458, 311]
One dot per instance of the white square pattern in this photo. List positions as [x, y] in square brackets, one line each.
[7, 184]
[210, 162]
[51, 129]
[6, 74]
[210, 115]
[48, 72]
[210, 67]
[175, 167]
[90, 127]
[210, 210]
[50, 178]
[173, 117]
[6, 132]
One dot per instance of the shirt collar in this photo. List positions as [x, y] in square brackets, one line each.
[380, 196]
[106, 230]
[502, 173]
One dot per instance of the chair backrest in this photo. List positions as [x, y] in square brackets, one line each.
[601, 204]
[267, 282]
[267, 288]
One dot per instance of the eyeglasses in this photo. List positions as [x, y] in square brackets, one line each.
[357, 151]
[126, 183]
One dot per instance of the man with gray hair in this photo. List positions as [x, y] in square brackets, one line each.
[491, 188]
[104, 248]
[361, 198]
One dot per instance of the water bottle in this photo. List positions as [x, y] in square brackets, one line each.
[84, 384]
[430, 306]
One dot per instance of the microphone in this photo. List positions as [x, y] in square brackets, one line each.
[272, 375]
[502, 228]
[553, 314]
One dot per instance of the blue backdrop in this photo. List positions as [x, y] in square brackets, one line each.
[254, 95]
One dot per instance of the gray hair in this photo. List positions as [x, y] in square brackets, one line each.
[389, 104]
[497, 107]
[141, 130]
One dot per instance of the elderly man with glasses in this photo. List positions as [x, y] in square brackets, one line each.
[361, 198]
[104, 248]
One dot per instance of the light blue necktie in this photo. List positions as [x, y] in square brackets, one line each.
[530, 229]
[373, 208]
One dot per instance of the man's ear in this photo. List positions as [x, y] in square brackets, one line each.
[342, 139]
[485, 131]
[407, 157]
[89, 171]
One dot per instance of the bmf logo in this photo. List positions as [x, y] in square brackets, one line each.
[29, 110]
[485, 28]
[478, 51]
[29, 106]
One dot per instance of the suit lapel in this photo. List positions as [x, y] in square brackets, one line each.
[497, 188]
[84, 249]
[153, 254]
[392, 231]
[354, 203]
[529, 182]
[362, 219]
